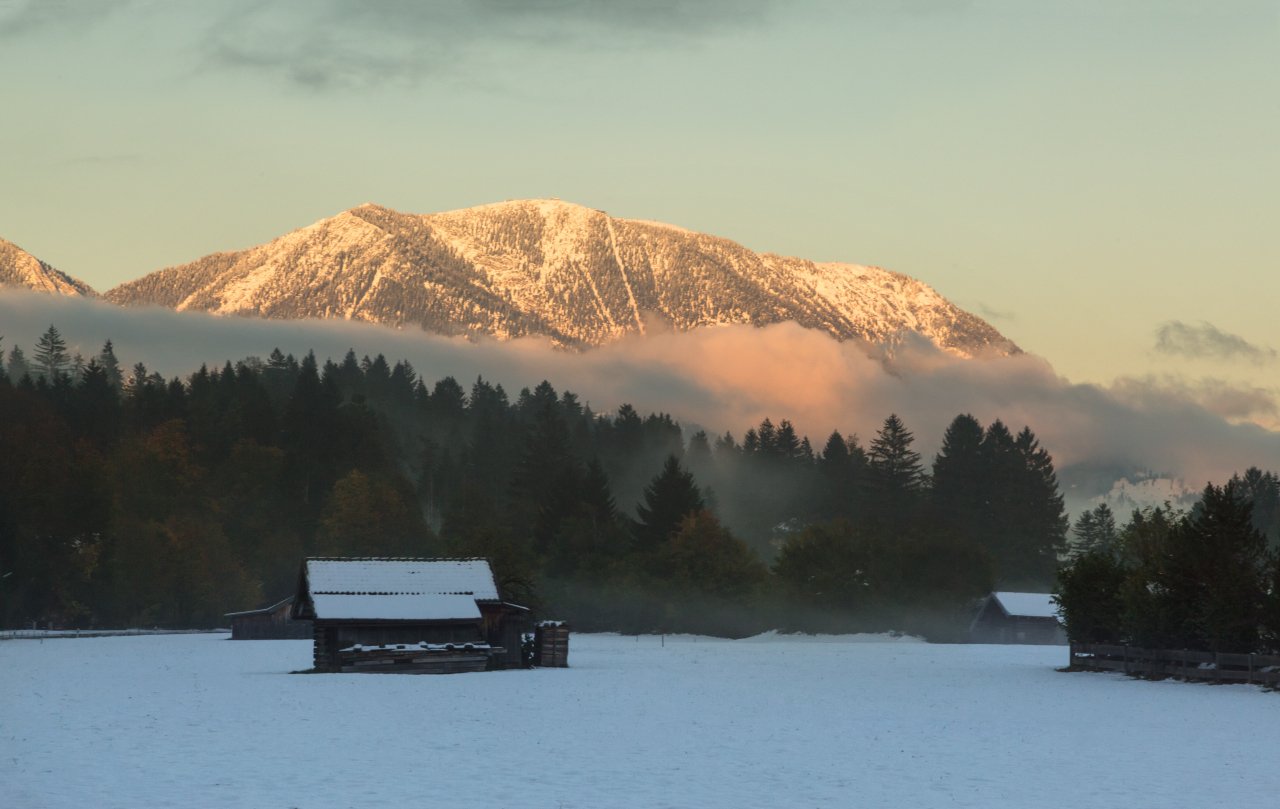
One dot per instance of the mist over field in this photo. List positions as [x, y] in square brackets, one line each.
[722, 379]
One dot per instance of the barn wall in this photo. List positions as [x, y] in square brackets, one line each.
[330, 637]
[505, 627]
[269, 626]
[992, 626]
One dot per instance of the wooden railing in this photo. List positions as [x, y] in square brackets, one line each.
[1217, 667]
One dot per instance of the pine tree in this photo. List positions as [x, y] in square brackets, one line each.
[960, 495]
[1043, 516]
[1262, 490]
[838, 480]
[698, 454]
[668, 499]
[50, 358]
[895, 477]
[1095, 531]
[1224, 563]
[111, 366]
[448, 399]
[18, 368]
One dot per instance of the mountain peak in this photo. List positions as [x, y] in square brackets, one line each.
[552, 268]
[18, 268]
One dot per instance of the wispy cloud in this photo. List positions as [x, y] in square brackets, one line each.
[331, 43]
[1232, 401]
[995, 314]
[729, 378]
[1207, 341]
[21, 17]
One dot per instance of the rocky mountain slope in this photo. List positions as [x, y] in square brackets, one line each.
[18, 268]
[546, 267]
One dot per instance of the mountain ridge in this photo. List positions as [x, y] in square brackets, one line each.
[18, 268]
[550, 268]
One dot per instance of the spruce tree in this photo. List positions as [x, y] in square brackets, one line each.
[669, 498]
[18, 368]
[1223, 559]
[895, 477]
[1095, 531]
[111, 366]
[960, 497]
[50, 357]
[1043, 520]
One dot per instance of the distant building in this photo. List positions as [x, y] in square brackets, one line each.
[408, 615]
[1017, 618]
[268, 623]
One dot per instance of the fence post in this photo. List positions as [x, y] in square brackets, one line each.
[1126, 658]
[1250, 668]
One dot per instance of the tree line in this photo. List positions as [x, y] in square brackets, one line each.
[130, 499]
[1207, 579]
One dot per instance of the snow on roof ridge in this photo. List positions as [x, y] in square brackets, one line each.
[397, 559]
[367, 592]
[400, 577]
[1030, 605]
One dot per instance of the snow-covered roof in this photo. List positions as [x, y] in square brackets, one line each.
[402, 576]
[259, 611]
[396, 607]
[1028, 605]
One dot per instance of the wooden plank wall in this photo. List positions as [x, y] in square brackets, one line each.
[1218, 667]
[552, 644]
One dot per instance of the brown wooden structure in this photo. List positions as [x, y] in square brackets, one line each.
[551, 644]
[268, 623]
[1008, 617]
[407, 615]
[1183, 664]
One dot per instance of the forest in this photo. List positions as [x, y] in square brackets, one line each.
[1207, 579]
[128, 499]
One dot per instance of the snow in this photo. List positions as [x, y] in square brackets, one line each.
[199, 721]
[546, 262]
[1028, 605]
[1147, 492]
[471, 576]
[396, 607]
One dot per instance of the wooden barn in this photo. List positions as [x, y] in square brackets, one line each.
[268, 623]
[423, 616]
[1005, 617]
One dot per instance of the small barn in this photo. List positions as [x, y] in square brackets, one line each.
[268, 623]
[1005, 617]
[408, 615]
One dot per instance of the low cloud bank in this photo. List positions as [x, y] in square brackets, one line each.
[729, 378]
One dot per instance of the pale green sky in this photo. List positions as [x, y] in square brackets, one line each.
[1079, 173]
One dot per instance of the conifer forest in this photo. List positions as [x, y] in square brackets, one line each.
[129, 499]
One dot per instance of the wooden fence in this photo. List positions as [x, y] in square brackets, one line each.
[48, 634]
[1214, 667]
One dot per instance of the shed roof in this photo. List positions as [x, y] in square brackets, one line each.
[260, 610]
[1027, 605]
[396, 607]
[387, 576]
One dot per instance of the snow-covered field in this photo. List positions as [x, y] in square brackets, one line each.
[199, 721]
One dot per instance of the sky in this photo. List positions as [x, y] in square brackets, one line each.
[1097, 179]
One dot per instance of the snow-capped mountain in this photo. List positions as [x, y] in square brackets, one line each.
[18, 268]
[1127, 495]
[546, 267]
